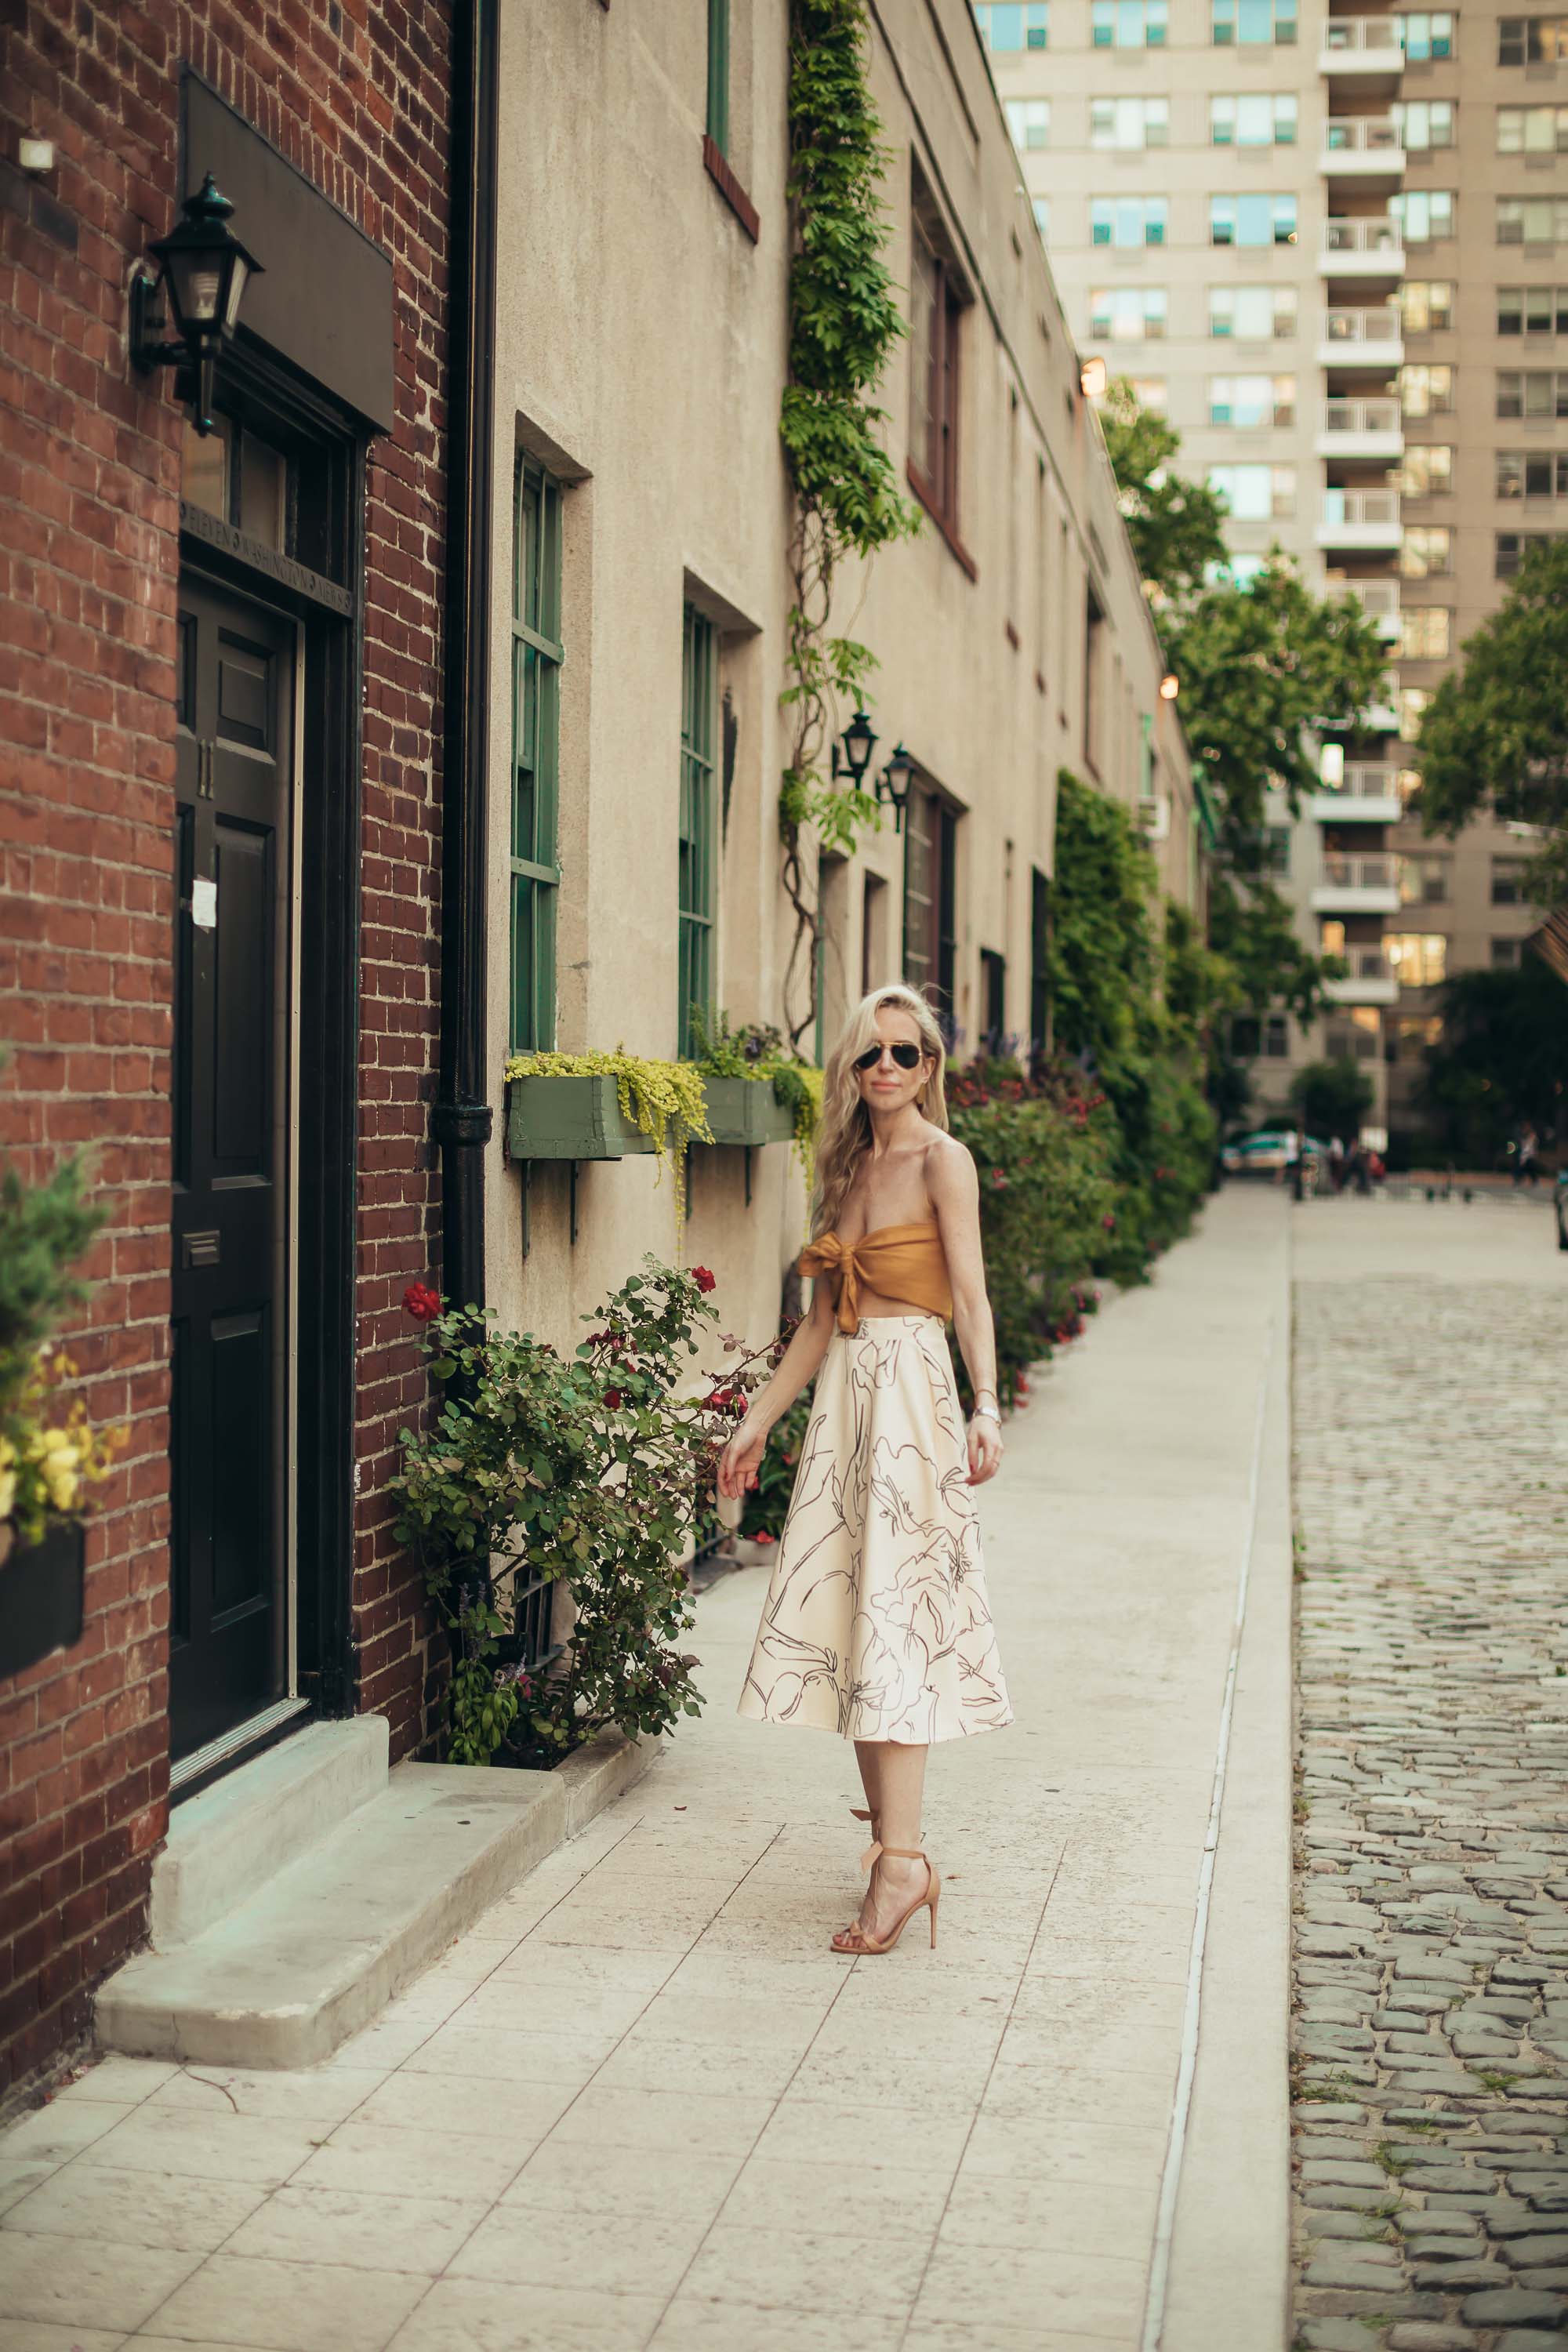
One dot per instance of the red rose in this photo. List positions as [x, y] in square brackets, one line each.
[1108, 1220]
[703, 1279]
[423, 1303]
[762, 1537]
[612, 1398]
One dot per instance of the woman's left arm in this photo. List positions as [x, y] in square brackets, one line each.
[954, 1189]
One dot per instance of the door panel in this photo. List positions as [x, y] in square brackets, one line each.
[232, 1028]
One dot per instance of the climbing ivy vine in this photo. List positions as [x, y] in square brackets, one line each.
[844, 321]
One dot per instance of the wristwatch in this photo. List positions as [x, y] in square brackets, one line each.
[986, 1412]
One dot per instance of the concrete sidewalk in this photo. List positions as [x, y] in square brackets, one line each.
[642, 2102]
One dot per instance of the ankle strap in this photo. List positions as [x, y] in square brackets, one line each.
[902, 1853]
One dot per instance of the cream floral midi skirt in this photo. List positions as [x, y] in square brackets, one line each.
[876, 1624]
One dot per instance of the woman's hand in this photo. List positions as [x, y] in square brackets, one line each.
[985, 1450]
[739, 1463]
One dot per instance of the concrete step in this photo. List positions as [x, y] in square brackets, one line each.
[223, 1842]
[318, 1950]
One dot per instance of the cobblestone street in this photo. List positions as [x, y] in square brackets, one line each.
[1431, 1945]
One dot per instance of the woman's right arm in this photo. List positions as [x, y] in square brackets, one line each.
[799, 1364]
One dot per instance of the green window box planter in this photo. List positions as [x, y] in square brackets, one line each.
[40, 1596]
[569, 1118]
[745, 1111]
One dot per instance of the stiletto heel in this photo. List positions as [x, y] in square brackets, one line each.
[856, 1942]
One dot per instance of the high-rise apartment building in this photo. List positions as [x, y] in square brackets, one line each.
[1329, 246]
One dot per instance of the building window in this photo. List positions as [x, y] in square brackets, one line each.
[930, 852]
[1419, 958]
[1247, 402]
[1256, 493]
[1253, 122]
[1251, 21]
[1532, 473]
[874, 964]
[1126, 314]
[1129, 24]
[1425, 632]
[1039, 961]
[1508, 882]
[1512, 546]
[1531, 220]
[1276, 850]
[718, 74]
[1424, 214]
[1532, 130]
[1029, 120]
[1423, 122]
[1252, 220]
[1129, 220]
[1005, 27]
[1533, 310]
[1425, 391]
[1426, 472]
[536, 657]
[994, 1001]
[1093, 681]
[1427, 305]
[937, 299]
[1426, 550]
[1506, 955]
[1425, 34]
[1531, 40]
[698, 832]
[1252, 313]
[1535, 393]
[1424, 881]
[1151, 392]
[1276, 1037]
[1128, 122]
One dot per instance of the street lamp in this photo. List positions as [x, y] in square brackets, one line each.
[203, 272]
[893, 786]
[1091, 378]
[860, 740]
[1170, 686]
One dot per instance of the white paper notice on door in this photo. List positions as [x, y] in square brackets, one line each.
[203, 904]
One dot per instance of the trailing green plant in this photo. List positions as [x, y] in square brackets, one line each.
[844, 321]
[589, 1471]
[759, 1052]
[663, 1100]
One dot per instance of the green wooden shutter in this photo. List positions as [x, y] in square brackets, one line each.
[697, 831]
[535, 749]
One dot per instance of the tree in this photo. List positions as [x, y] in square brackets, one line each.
[1177, 526]
[1495, 734]
[1502, 1059]
[1334, 1097]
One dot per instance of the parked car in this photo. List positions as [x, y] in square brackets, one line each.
[1266, 1150]
[1560, 1202]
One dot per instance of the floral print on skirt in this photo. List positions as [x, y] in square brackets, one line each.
[877, 1623]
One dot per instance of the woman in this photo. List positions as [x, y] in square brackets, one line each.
[876, 1624]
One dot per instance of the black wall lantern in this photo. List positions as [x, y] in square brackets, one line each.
[860, 740]
[203, 272]
[893, 786]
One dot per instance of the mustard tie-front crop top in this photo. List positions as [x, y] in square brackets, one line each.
[905, 1262]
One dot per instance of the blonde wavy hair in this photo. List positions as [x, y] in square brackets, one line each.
[844, 1128]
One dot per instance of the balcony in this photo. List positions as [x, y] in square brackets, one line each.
[1360, 428]
[1369, 794]
[1361, 45]
[1369, 981]
[1373, 248]
[1357, 339]
[1360, 521]
[1357, 885]
[1361, 147]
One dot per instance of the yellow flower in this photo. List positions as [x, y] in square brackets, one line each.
[59, 1475]
[7, 1492]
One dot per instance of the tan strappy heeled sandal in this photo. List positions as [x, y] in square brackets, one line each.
[855, 1941]
[860, 1813]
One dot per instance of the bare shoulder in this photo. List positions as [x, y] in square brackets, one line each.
[949, 1169]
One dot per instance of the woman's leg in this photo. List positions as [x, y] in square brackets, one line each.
[900, 1778]
[866, 1752]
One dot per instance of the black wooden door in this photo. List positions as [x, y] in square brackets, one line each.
[231, 1122]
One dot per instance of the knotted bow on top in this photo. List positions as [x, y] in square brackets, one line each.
[902, 1262]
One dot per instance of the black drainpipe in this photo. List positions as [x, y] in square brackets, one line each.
[463, 1117]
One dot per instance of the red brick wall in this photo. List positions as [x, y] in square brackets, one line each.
[356, 95]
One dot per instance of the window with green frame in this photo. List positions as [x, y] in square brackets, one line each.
[718, 74]
[698, 712]
[535, 741]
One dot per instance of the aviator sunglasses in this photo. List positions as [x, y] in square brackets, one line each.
[908, 1058]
